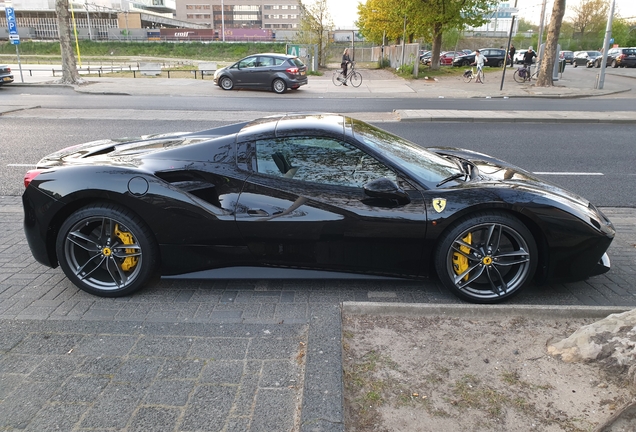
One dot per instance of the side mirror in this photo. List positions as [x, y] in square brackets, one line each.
[385, 189]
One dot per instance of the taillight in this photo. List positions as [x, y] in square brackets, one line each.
[292, 70]
[29, 176]
[622, 56]
[8, 69]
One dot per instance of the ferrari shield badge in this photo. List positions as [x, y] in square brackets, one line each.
[439, 204]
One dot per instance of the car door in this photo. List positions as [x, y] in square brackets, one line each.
[261, 74]
[304, 205]
[245, 72]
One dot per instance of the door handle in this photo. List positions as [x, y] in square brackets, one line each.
[257, 212]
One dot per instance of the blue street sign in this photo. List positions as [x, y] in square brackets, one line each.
[15, 41]
[13, 26]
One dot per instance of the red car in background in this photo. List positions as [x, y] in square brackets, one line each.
[445, 58]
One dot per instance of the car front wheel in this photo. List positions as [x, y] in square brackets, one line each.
[486, 257]
[279, 86]
[226, 83]
[106, 250]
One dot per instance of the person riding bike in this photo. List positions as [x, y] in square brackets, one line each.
[344, 65]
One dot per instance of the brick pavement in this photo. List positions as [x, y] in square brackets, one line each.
[231, 354]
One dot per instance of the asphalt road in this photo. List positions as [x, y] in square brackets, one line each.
[584, 151]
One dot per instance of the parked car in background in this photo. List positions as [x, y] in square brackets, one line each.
[5, 75]
[518, 58]
[445, 58]
[568, 56]
[268, 71]
[424, 56]
[585, 58]
[623, 57]
[494, 57]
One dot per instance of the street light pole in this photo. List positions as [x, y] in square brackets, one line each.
[403, 41]
[88, 18]
[223, 20]
[606, 42]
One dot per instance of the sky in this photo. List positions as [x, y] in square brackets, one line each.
[345, 12]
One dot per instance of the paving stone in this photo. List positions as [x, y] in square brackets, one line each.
[209, 408]
[56, 417]
[219, 349]
[155, 419]
[169, 393]
[274, 411]
[114, 406]
[223, 372]
[81, 389]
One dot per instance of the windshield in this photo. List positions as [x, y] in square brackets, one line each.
[594, 53]
[425, 166]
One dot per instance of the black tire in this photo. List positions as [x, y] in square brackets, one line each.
[486, 257]
[335, 78]
[518, 78]
[226, 83]
[279, 86]
[500, 63]
[107, 250]
[356, 79]
[465, 63]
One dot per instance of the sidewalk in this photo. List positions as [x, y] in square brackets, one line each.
[377, 83]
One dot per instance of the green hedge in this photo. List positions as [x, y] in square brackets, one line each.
[188, 50]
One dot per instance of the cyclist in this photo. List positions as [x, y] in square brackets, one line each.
[479, 61]
[528, 58]
[344, 65]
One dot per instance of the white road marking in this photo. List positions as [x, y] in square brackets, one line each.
[569, 173]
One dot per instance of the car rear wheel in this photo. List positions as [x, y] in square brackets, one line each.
[107, 251]
[226, 83]
[465, 63]
[279, 86]
[486, 257]
[500, 63]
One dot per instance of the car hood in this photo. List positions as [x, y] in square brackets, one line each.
[500, 173]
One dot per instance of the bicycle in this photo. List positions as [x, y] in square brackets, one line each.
[354, 77]
[469, 74]
[524, 74]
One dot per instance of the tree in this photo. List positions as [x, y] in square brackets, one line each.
[424, 18]
[315, 24]
[69, 65]
[590, 16]
[550, 52]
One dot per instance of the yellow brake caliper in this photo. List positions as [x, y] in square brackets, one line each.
[460, 262]
[126, 238]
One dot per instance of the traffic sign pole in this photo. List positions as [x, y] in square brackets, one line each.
[14, 36]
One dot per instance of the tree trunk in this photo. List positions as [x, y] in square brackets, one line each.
[69, 65]
[437, 46]
[550, 54]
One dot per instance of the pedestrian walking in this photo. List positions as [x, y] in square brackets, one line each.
[512, 55]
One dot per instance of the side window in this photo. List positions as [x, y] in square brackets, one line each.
[279, 61]
[265, 61]
[318, 160]
[249, 62]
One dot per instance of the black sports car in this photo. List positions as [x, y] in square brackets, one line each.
[310, 191]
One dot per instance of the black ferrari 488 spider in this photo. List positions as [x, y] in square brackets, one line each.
[305, 191]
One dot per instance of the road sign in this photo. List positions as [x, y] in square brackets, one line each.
[13, 26]
[15, 42]
[293, 50]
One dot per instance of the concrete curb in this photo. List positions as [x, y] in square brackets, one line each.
[16, 109]
[479, 311]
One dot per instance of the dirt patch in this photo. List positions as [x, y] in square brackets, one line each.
[450, 374]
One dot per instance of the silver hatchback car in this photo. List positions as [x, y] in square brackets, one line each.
[269, 71]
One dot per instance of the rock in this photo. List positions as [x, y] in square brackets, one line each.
[612, 339]
[623, 420]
